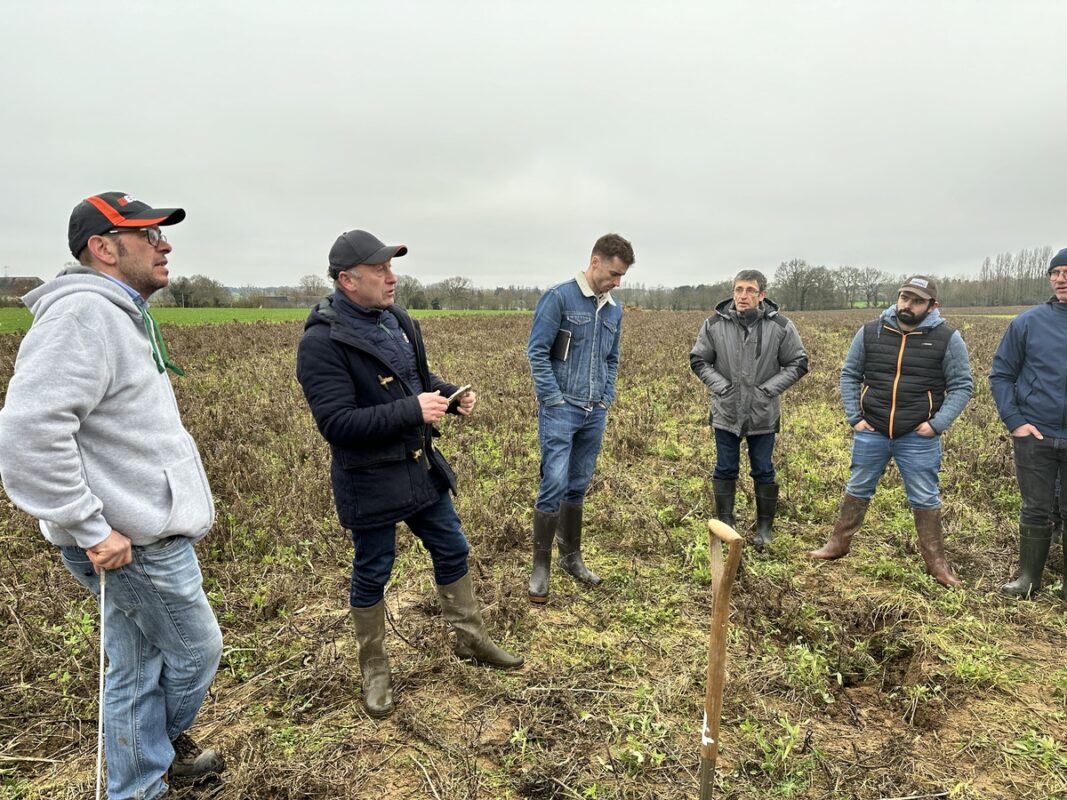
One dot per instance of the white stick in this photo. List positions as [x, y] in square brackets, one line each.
[100, 708]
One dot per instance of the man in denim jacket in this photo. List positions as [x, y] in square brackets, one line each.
[574, 356]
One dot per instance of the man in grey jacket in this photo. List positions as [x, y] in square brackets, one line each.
[92, 445]
[747, 354]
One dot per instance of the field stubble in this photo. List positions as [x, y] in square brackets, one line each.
[854, 679]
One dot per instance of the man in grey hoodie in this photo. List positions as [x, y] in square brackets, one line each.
[92, 445]
[747, 354]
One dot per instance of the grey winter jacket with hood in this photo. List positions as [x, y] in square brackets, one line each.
[90, 435]
[747, 367]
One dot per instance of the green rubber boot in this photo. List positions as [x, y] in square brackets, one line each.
[1034, 543]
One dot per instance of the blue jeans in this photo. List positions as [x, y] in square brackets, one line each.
[439, 529]
[570, 438]
[1037, 464]
[918, 459]
[163, 646]
[728, 456]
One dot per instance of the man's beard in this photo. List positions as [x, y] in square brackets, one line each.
[910, 317]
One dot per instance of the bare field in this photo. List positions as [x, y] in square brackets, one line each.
[855, 679]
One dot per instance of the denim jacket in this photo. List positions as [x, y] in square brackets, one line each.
[587, 377]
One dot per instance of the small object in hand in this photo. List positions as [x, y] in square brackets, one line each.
[456, 395]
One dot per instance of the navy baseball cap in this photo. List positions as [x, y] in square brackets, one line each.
[102, 212]
[359, 247]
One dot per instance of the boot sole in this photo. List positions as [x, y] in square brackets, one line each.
[538, 600]
[379, 714]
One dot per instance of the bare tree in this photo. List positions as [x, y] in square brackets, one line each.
[312, 288]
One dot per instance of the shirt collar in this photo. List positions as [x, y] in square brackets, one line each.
[583, 284]
[133, 293]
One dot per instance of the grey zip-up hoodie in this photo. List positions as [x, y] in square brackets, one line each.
[90, 435]
[747, 367]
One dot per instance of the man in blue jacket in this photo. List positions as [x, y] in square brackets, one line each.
[1029, 384]
[574, 356]
[906, 378]
[362, 365]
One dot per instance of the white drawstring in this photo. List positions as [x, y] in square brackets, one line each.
[100, 710]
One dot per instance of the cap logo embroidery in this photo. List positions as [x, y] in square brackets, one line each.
[919, 282]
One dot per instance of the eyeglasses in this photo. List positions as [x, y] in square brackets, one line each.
[1057, 273]
[746, 290]
[153, 235]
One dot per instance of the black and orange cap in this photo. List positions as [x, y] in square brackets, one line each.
[102, 212]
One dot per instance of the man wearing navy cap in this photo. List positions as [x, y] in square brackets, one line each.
[362, 365]
[1029, 385]
[91, 444]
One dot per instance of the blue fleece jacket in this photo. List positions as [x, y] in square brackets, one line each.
[1029, 376]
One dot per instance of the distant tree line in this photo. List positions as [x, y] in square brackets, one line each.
[1008, 279]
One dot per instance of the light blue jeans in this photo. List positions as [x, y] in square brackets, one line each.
[570, 438]
[163, 646]
[918, 459]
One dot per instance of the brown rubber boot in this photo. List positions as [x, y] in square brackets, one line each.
[472, 641]
[849, 519]
[932, 546]
[544, 531]
[369, 623]
[569, 539]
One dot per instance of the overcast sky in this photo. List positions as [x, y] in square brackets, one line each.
[499, 139]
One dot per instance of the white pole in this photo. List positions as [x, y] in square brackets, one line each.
[100, 708]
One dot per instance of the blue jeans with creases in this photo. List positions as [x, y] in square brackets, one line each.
[570, 438]
[918, 459]
[439, 529]
[163, 646]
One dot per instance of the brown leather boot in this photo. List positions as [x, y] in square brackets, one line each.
[932, 546]
[849, 519]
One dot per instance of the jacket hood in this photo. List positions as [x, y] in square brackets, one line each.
[74, 280]
[933, 319]
[724, 309]
[322, 313]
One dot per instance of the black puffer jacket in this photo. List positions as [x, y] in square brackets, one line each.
[384, 459]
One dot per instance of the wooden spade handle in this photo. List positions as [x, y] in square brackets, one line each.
[723, 573]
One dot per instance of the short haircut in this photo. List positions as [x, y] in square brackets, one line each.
[752, 275]
[611, 245]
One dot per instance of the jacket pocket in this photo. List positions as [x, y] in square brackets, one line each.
[191, 508]
[374, 486]
[361, 459]
[607, 336]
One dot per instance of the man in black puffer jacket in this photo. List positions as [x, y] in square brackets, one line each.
[362, 365]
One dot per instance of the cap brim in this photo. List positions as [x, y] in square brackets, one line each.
[152, 216]
[387, 252]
